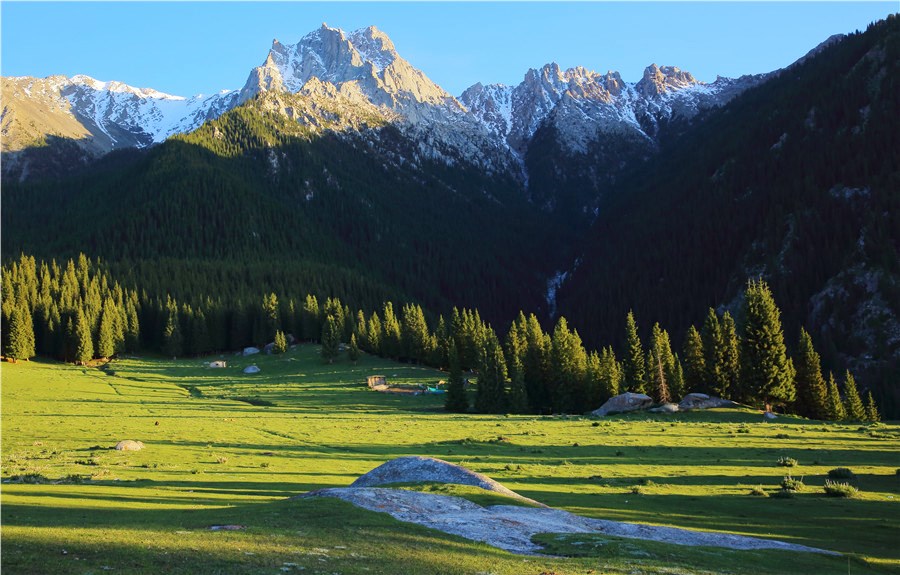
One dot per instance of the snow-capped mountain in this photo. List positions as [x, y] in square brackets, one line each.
[491, 126]
[101, 116]
[584, 105]
[364, 68]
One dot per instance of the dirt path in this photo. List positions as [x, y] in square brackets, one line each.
[511, 528]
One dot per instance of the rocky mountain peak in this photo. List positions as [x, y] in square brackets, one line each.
[374, 46]
[659, 80]
[365, 57]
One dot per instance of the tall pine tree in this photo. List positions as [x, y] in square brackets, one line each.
[766, 369]
[661, 366]
[834, 406]
[331, 338]
[456, 400]
[83, 342]
[872, 414]
[853, 405]
[490, 396]
[518, 395]
[20, 340]
[694, 362]
[106, 337]
[635, 374]
[173, 341]
[730, 357]
[812, 391]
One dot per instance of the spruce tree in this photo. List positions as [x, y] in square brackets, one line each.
[106, 342]
[414, 333]
[281, 344]
[391, 344]
[132, 327]
[610, 374]
[853, 405]
[361, 330]
[373, 331]
[490, 394]
[568, 361]
[676, 385]
[661, 365]
[20, 340]
[270, 316]
[442, 344]
[635, 374]
[766, 370]
[730, 357]
[331, 338]
[84, 344]
[537, 366]
[173, 340]
[592, 377]
[834, 407]
[694, 362]
[518, 395]
[311, 319]
[812, 391]
[872, 414]
[456, 400]
[353, 351]
[713, 354]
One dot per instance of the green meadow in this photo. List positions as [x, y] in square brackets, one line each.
[227, 448]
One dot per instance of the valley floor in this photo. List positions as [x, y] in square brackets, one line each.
[228, 448]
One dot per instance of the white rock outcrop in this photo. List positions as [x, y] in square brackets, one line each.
[625, 402]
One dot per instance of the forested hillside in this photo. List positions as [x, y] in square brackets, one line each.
[254, 199]
[796, 181]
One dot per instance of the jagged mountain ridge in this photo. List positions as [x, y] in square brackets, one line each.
[585, 105]
[105, 115]
[489, 126]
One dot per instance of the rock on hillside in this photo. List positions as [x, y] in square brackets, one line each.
[417, 469]
[511, 527]
[625, 402]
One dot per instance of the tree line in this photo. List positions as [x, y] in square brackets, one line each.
[77, 313]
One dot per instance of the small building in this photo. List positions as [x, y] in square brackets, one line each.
[376, 380]
[218, 363]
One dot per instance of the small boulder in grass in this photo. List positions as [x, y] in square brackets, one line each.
[129, 445]
[226, 527]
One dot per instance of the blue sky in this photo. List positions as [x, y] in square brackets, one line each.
[190, 48]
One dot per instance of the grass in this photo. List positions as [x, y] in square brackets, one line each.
[214, 458]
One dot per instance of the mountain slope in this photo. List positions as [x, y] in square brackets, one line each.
[796, 181]
[93, 117]
[256, 185]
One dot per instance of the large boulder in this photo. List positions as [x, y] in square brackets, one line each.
[625, 402]
[129, 445]
[703, 401]
[251, 369]
[250, 351]
[417, 469]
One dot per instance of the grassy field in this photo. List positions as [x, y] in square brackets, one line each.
[227, 448]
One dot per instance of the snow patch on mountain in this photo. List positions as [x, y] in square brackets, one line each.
[585, 106]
